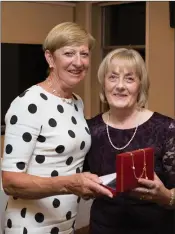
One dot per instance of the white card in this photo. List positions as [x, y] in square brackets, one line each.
[106, 179]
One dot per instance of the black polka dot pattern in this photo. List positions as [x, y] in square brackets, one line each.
[60, 108]
[56, 203]
[82, 145]
[78, 170]
[58, 123]
[43, 96]
[75, 97]
[87, 130]
[20, 165]
[32, 108]
[52, 122]
[9, 223]
[54, 230]
[14, 119]
[78, 199]
[23, 94]
[27, 137]
[54, 173]
[8, 149]
[39, 217]
[25, 231]
[69, 160]
[68, 215]
[40, 158]
[71, 133]
[60, 149]
[74, 121]
[76, 108]
[6, 206]
[23, 212]
[41, 139]
[73, 225]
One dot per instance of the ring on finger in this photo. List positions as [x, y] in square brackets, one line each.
[147, 191]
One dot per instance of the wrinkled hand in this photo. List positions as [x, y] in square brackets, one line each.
[152, 190]
[87, 185]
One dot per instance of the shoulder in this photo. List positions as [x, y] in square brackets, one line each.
[96, 120]
[163, 119]
[164, 122]
[28, 101]
[29, 95]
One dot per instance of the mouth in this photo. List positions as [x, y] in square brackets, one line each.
[120, 95]
[75, 72]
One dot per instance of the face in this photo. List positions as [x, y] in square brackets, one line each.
[121, 85]
[70, 64]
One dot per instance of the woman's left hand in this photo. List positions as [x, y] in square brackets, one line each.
[152, 190]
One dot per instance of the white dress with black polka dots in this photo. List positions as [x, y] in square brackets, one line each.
[44, 137]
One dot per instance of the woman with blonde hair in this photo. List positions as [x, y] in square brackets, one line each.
[128, 125]
[46, 140]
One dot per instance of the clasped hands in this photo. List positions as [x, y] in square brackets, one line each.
[152, 190]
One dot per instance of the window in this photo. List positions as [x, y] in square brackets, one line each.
[124, 24]
[23, 65]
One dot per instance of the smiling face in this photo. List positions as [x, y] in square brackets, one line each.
[70, 64]
[121, 85]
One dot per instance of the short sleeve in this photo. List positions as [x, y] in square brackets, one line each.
[22, 130]
[169, 156]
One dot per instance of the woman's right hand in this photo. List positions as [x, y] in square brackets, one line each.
[87, 185]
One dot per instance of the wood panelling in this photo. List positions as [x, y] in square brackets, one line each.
[160, 57]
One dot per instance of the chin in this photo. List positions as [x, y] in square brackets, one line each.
[74, 82]
[120, 105]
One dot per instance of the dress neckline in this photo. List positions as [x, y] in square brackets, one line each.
[130, 129]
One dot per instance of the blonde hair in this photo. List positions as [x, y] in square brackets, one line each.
[66, 34]
[130, 58]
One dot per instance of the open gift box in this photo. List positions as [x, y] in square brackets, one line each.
[130, 166]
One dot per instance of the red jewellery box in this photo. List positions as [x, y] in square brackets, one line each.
[130, 166]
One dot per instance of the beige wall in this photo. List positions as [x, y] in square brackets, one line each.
[160, 56]
[29, 22]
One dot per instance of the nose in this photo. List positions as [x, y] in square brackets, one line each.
[77, 60]
[120, 84]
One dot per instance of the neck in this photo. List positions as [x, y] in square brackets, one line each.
[120, 117]
[59, 88]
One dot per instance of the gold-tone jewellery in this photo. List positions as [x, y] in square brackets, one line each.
[144, 172]
[172, 199]
[54, 91]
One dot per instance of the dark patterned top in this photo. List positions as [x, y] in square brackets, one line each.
[125, 214]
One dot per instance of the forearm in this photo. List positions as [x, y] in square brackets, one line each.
[34, 187]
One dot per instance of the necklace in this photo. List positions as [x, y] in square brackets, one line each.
[144, 172]
[66, 100]
[119, 148]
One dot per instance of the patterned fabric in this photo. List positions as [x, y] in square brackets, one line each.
[124, 214]
[44, 137]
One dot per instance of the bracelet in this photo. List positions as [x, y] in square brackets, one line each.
[172, 199]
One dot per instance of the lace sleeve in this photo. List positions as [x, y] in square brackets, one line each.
[169, 156]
